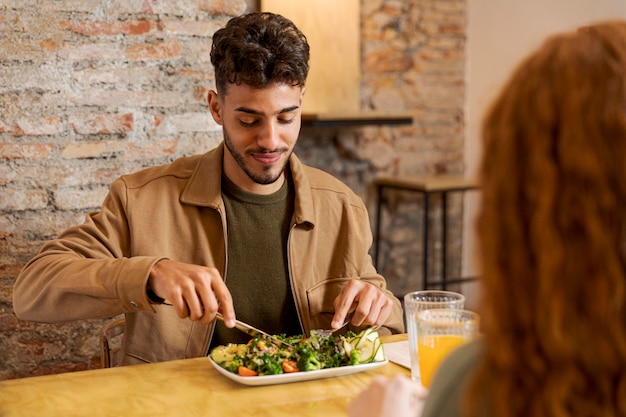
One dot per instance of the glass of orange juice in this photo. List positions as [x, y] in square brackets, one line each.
[439, 332]
[417, 301]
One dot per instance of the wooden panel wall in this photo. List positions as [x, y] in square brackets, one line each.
[333, 30]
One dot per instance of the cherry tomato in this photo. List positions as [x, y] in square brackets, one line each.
[290, 366]
[243, 371]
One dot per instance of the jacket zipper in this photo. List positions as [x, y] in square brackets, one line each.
[293, 293]
[217, 208]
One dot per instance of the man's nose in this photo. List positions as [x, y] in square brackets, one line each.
[268, 138]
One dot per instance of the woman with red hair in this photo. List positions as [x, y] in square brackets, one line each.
[552, 233]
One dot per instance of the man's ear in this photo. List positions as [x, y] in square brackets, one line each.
[215, 105]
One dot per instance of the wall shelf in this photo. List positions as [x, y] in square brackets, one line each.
[356, 119]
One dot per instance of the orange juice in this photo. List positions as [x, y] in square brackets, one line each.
[432, 350]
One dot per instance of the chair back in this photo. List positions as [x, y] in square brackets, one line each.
[110, 347]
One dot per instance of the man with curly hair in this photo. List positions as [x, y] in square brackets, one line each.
[244, 228]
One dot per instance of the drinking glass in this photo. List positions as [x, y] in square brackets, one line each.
[440, 331]
[417, 301]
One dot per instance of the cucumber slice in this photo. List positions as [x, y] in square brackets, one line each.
[367, 350]
[347, 346]
[370, 347]
[379, 354]
[364, 337]
[368, 344]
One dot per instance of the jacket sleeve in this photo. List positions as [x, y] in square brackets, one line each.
[395, 321]
[355, 233]
[87, 272]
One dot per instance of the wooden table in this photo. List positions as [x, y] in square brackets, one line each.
[188, 387]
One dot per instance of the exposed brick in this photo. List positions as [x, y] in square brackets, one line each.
[31, 75]
[101, 123]
[60, 368]
[200, 49]
[22, 50]
[174, 7]
[95, 174]
[446, 42]
[45, 224]
[388, 98]
[446, 55]
[99, 149]
[72, 198]
[387, 61]
[8, 374]
[450, 7]
[7, 227]
[27, 150]
[38, 127]
[9, 322]
[188, 122]
[189, 27]
[18, 199]
[99, 28]
[92, 52]
[200, 94]
[227, 7]
[35, 348]
[151, 151]
[84, 6]
[118, 76]
[8, 272]
[49, 45]
[116, 98]
[154, 51]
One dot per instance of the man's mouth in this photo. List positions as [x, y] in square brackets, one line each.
[267, 158]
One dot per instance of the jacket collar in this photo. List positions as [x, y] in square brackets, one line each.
[204, 186]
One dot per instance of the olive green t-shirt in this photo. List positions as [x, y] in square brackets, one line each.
[257, 273]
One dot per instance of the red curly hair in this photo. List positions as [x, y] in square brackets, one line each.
[552, 233]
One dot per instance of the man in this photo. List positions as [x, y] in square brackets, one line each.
[245, 227]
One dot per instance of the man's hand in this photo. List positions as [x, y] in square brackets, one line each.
[195, 291]
[370, 304]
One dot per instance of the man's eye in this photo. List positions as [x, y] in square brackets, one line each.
[285, 121]
[246, 123]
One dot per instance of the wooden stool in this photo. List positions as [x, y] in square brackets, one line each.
[426, 186]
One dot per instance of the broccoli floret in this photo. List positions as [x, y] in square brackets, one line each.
[307, 360]
[233, 365]
[355, 357]
[268, 365]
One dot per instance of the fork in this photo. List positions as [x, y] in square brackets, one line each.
[328, 332]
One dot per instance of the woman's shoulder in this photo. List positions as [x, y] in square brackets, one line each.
[446, 393]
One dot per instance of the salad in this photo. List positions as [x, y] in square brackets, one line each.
[260, 356]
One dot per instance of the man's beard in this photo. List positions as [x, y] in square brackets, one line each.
[266, 177]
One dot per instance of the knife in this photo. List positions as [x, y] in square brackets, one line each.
[253, 331]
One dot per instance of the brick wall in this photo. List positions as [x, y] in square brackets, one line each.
[93, 89]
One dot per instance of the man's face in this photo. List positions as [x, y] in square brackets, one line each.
[261, 127]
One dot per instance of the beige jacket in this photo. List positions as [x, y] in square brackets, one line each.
[100, 268]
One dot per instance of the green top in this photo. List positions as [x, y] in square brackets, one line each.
[257, 273]
[446, 393]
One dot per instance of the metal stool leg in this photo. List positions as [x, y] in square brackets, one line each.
[379, 193]
[425, 243]
[444, 238]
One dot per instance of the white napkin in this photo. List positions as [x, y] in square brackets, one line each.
[398, 352]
